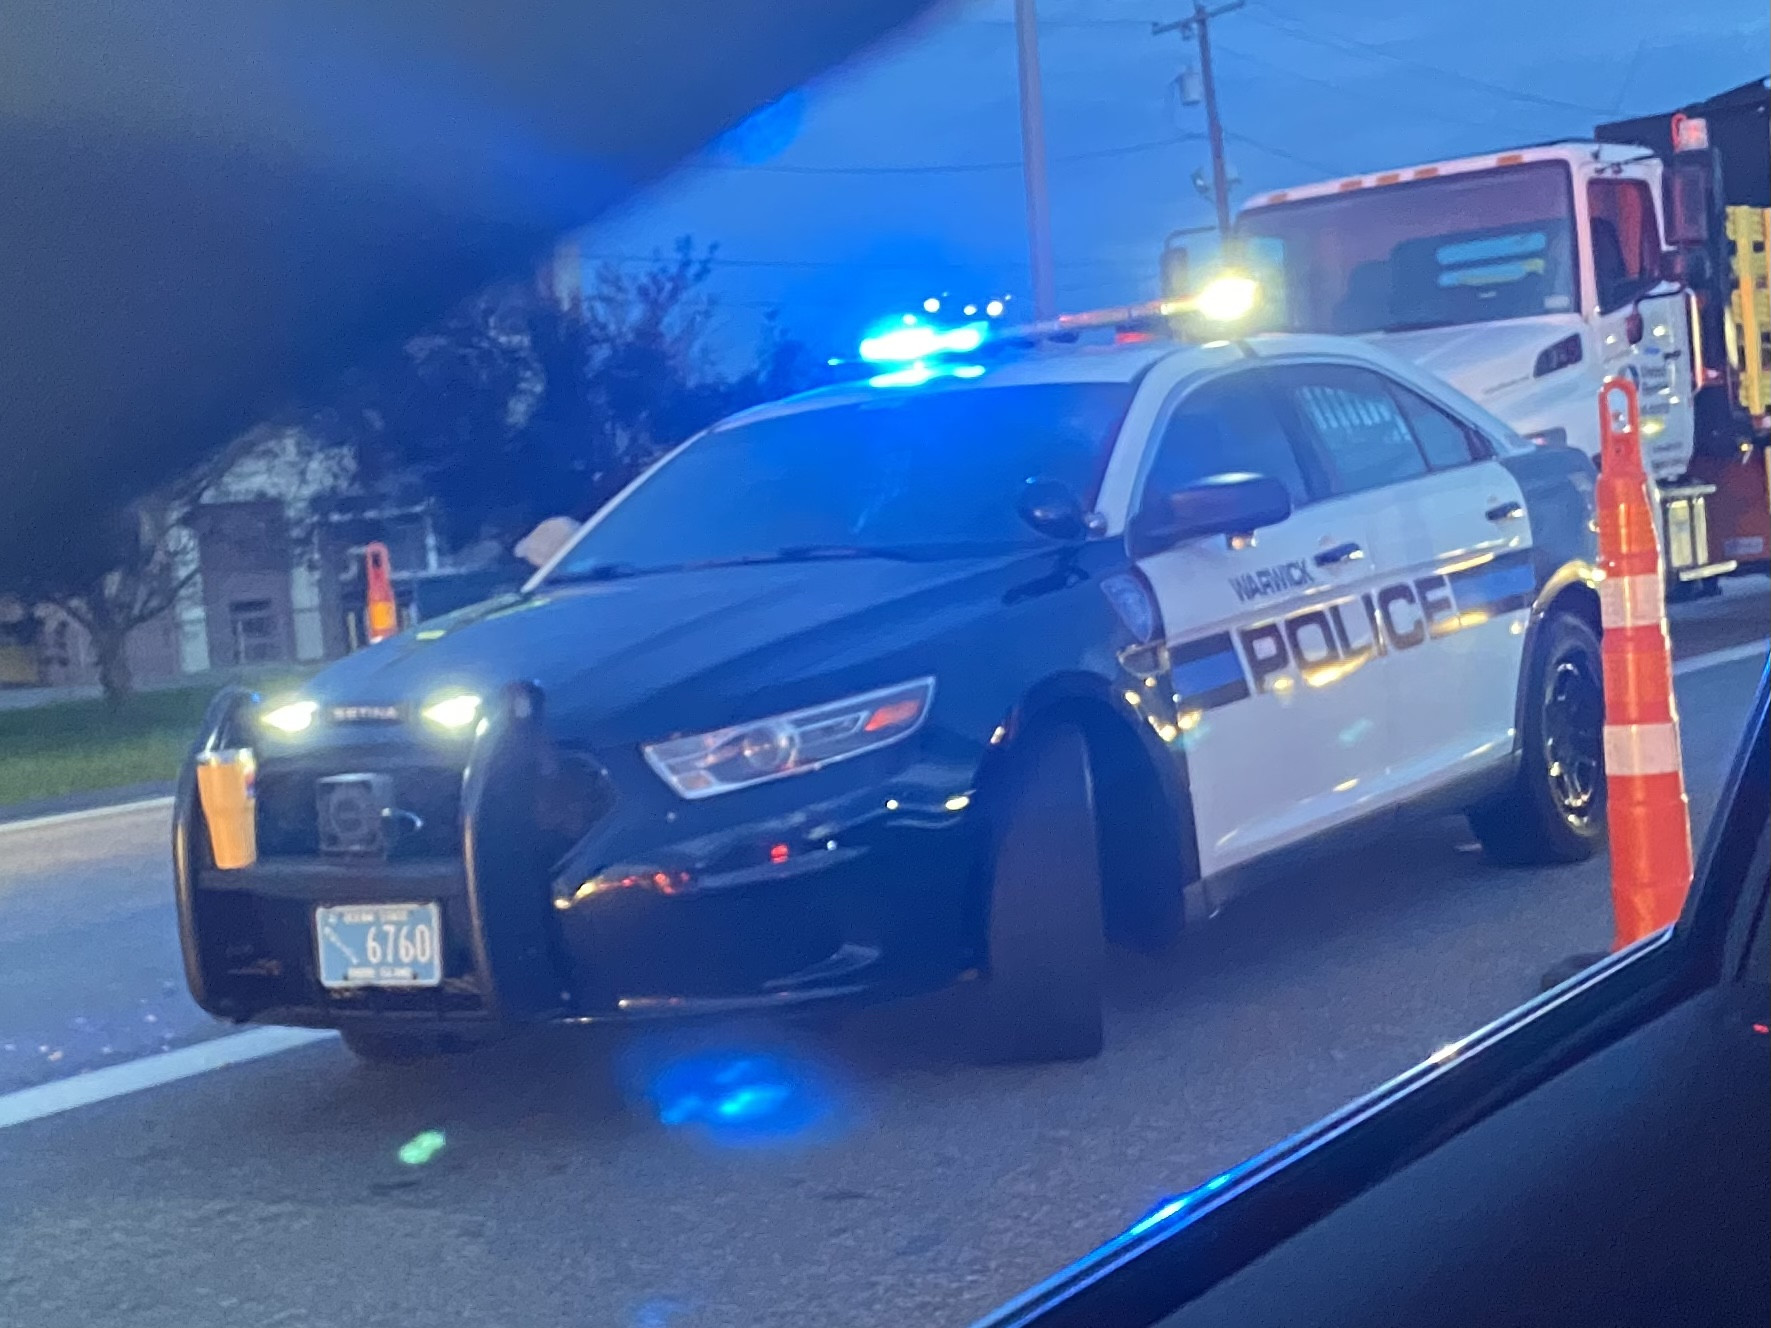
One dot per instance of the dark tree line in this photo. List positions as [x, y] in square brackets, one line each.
[532, 401]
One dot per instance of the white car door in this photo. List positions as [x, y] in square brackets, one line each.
[1454, 540]
[1278, 672]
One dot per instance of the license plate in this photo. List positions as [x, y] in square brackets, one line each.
[380, 945]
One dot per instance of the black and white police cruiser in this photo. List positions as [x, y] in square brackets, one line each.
[963, 672]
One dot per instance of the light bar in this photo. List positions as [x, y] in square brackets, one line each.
[918, 341]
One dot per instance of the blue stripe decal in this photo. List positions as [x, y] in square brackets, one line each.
[1207, 672]
[1508, 583]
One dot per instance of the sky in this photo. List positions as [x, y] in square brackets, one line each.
[898, 175]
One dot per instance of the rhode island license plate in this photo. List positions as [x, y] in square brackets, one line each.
[380, 945]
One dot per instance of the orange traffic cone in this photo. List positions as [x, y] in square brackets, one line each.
[1648, 816]
[380, 614]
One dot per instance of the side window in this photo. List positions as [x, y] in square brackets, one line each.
[1226, 427]
[1446, 441]
[1355, 423]
[1626, 241]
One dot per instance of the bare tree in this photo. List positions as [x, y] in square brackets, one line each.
[147, 554]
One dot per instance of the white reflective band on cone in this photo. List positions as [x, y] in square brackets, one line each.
[1641, 749]
[1632, 601]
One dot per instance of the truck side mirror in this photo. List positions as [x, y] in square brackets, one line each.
[1174, 270]
[1688, 189]
[1686, 267]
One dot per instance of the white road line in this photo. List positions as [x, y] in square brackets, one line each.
[1710, 659]
[89, 814]
[167, 1067]
[82, 1090]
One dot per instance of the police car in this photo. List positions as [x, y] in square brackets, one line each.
[959, 673]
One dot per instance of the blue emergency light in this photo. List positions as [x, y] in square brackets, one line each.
[914, 340]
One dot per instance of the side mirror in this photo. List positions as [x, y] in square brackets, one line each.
[1685, 267]
[1238, 504]
[1689, 199]
[1175, 273]
[1051, 509]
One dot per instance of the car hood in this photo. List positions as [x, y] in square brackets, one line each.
[716, 643]
[1481, 359]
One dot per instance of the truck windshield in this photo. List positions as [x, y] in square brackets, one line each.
[1471, 248]
[904, 472]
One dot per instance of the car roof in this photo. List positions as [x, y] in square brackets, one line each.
[1047, 363]
[1059, 363]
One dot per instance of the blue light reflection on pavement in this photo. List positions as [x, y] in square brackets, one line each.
[736, 1097]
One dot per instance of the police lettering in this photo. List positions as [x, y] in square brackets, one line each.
[1264, 649]
[1265, 581]
[1332, 640]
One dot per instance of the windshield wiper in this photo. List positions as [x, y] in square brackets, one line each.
[794, 553]
[908, 553]
[596, 572]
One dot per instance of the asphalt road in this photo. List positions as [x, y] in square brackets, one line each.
[588, 1177]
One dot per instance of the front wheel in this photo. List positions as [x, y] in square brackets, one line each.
[1554, 810]
[1041, 996]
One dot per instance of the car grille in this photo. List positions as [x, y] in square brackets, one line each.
[288, 810]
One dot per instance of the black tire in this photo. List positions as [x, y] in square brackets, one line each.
[1040, 999]
[1554, 810]
[377, 1047]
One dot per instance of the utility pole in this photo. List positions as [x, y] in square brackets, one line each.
[1199, 26]
[1039, 220]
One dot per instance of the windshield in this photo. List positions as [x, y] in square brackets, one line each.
[1471, 248]
[920, 470]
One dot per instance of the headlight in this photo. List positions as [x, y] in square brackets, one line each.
[453, 712]
[1229, 297]
[291, 716]
[745, 754]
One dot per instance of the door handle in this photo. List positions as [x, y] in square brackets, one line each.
[1339, 553]
[1507, 511]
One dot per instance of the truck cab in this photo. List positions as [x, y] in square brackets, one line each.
[1524, 278]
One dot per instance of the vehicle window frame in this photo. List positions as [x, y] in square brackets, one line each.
[1316, 484]
[1308, 438]
[1152, 1271]
[1649, 277]
[1479, 446]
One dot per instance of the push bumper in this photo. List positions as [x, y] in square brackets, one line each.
[860, 894]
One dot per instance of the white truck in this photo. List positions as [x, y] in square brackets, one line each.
[1528, 276]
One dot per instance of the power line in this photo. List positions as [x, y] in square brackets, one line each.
[854, 265]
[1285, 153]
[958, 168]
[1365, 94]
[1295, 27]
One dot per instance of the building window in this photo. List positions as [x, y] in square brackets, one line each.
[255, 635]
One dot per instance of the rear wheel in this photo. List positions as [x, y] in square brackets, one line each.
[1554, 810]
[1041, 998]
